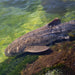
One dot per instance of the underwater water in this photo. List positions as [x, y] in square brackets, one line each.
[18, 17]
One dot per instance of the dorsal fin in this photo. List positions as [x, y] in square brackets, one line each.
[56, 21]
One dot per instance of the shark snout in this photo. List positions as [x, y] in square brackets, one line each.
[8, 52]
[11, 51]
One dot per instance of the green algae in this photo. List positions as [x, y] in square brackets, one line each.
[59, 69]
[14, 25]
[15, 22]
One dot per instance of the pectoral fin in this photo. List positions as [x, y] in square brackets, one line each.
[35, 49]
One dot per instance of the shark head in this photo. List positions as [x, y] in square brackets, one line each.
[13, 50]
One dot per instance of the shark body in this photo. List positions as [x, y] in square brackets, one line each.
[38, 40]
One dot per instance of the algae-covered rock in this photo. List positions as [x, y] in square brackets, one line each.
[63, 53]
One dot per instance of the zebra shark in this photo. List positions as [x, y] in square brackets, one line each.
[38, 40]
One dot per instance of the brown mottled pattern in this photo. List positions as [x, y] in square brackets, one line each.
[39, 37]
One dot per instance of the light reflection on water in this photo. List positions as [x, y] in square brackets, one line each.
[18, 17]
[58, 6]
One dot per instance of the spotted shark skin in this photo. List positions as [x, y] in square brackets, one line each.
[38, 40]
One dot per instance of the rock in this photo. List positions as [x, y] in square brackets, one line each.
[65, 56]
